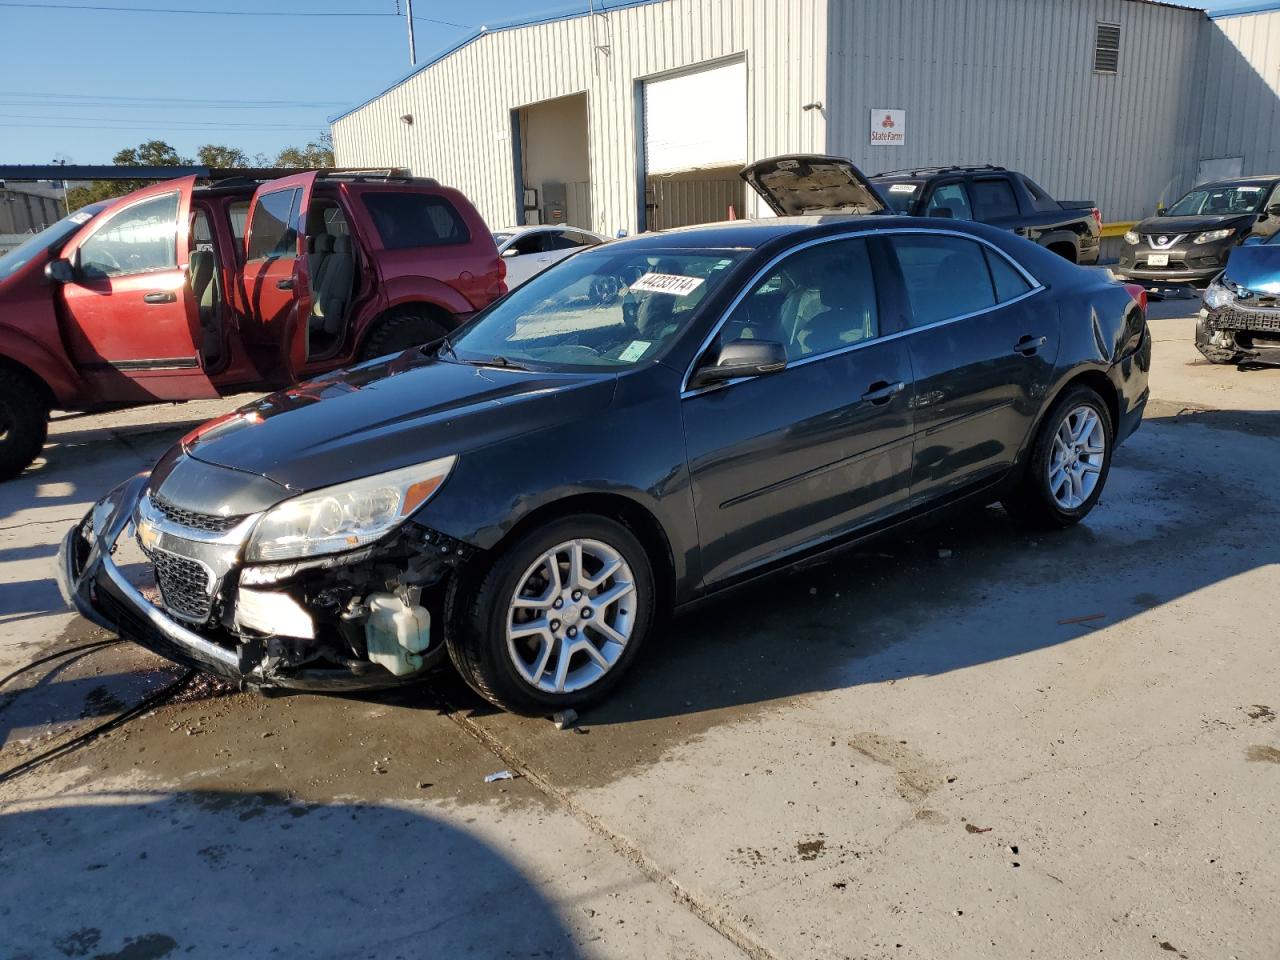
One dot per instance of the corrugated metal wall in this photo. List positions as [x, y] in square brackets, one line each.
[1240, 112]
[461, 104]
[1012, 82]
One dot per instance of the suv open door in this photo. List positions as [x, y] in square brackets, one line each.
[131, 321]
[811, 183]
[277, 279]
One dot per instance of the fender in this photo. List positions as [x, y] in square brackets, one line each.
[401, 290]
[1060, 236]
[64, 384]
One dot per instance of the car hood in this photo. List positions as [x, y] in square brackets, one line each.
[811, 183]
[390, 413]
[1256, 269]
[1176, 226]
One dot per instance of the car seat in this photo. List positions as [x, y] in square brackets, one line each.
[331, 289]
[202, 271]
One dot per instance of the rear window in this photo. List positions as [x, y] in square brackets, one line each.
[406, 220]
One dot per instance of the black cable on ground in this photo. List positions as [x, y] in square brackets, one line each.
[54, 656]
[62, 749]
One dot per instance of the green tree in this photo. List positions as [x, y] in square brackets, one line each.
[317, 153]
[150, 153]
[221, 156]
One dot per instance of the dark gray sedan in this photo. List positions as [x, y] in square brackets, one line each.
[637, 428]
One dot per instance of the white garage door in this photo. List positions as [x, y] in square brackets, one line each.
[694, 121]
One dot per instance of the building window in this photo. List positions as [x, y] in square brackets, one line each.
[1106, 48]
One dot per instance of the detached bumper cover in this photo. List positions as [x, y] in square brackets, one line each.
[94, 585]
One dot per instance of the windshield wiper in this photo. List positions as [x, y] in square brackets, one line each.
[502, 362]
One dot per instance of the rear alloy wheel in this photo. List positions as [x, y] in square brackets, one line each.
[24, 422]
[1069, 463]
[558, 617]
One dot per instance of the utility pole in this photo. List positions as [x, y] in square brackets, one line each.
[408, 15]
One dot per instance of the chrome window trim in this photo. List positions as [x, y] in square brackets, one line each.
[686, 391]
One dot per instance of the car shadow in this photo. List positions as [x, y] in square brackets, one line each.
[213, 873]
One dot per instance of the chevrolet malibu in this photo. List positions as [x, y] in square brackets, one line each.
[638, 428]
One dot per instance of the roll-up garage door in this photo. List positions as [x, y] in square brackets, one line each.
[695, 141]
[696, 120]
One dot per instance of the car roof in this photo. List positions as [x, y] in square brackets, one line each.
[1237, 182]
[755, 233]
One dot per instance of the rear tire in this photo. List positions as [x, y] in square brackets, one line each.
[410, 327]
[24, 422]
[493, 618]
[1069, 463]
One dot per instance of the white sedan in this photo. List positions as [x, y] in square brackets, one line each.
[530, 250]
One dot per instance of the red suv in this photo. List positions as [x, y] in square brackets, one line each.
[185, 292]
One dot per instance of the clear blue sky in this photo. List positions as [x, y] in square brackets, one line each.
[85, 83]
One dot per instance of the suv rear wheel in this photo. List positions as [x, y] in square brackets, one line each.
[24, 422]
[408, 327]
[557, 619]
[1070, 460]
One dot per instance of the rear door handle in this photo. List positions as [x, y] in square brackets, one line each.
[881, 392]
[1028, 345]
[160, 296]
[285, 284]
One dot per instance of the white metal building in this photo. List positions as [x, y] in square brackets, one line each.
[639, 116]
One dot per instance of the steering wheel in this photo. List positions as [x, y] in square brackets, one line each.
[604, 290]
[105, 262]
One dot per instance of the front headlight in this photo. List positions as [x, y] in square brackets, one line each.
[1217, 295]
[1213, 236]
[345, 516]
[1131, 237]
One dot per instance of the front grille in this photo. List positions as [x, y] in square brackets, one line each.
[184, 586]
[1233, 318]
[208, 522]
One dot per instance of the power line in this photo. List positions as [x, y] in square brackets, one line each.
[167, 123]
[226, 13]
[146, 127]
[79, 98]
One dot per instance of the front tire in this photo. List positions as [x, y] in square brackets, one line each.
[557, 618]
[1212, 352]
[24, 422]
[1069, 463]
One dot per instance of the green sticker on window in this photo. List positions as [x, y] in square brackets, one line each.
[635, 350]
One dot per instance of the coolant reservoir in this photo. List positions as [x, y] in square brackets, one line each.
[396, 634]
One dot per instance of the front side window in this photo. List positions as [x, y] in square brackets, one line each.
[993, 199]
[1211, 201]
[405, 220]
[819, 299]
[944, 276]
[950, 200]
[142, 238]
[602, 309]
[273, 232]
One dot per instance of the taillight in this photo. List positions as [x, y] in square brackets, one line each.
[1097, 217]
[1139, 294]
[499, 287]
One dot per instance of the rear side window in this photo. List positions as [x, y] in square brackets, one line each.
[993, 199]
[944, 276]
[406, 220]
[238, 214]
[273, 232]
[1009, 283]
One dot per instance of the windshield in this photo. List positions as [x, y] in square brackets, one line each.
[1219, 201]
[38, 244]
[597, 310]
[897, 194]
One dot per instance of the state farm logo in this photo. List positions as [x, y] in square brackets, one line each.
[887, 122]
[888, 127]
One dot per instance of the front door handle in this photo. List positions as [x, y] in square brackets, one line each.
[160, 296]
[1028, 345]
[285, 284]
[881, 392]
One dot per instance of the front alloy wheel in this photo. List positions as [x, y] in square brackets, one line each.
[556, 619]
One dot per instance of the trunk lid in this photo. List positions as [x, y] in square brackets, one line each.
[812, 183]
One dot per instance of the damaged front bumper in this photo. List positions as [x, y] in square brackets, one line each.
[334, 658]
[1240, 330]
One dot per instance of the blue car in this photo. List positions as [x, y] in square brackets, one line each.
[1240, 319]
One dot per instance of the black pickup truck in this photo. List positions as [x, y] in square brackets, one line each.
[1000, 197]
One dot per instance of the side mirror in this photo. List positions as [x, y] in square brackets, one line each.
[1253, 240]
[742, 358]
[60, 271]
[510, 252]
[1160, 209]
[1274, 210]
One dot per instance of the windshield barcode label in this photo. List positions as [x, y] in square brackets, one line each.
[667, 283]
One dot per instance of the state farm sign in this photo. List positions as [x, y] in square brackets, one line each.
[888, 128]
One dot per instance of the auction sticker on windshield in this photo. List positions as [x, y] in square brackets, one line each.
[903, 188]
[667, 283]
